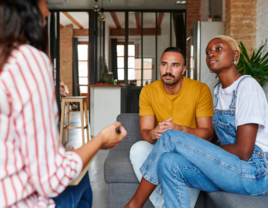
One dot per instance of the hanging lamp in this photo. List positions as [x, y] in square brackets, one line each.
[102, 16]
[96, 6]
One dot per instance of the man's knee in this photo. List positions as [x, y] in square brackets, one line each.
[140, 149]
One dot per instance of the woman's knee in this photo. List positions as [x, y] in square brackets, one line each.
[164, 164]
[170, 162]
[168, 134]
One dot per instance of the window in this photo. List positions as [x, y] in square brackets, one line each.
[120, 62]
[134, 65]
[83, 66]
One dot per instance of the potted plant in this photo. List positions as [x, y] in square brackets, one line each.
[255, 65]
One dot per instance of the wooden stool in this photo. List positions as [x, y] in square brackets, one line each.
[83, 108]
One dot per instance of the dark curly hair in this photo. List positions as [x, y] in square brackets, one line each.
[20, 22]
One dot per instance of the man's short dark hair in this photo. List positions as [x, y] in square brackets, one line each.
[175, 49]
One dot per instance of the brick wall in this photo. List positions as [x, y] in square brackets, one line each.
[262, 22]
[241, 21]
[66, 56]
[193, 14]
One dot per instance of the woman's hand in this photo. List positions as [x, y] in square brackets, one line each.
[109, 137]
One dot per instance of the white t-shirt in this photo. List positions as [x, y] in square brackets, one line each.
[251, 107]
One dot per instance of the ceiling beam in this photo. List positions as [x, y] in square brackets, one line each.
[116, 22]
[80, 32]
[73, 20]
[138, 20]
[134, 32]
[159, 19]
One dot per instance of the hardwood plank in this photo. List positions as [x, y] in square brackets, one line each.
[83, 43]
[159, 19]
[134, 32]
[138, 20]
[116, 21]
[80, 32]
[73, 20]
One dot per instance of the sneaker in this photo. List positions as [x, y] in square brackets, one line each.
[74, 107]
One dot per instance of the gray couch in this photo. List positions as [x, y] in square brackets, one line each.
[123, 183]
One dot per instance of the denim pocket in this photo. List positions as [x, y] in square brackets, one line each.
[256, 167]
[225, 132]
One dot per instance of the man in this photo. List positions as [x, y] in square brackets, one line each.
[174, 102]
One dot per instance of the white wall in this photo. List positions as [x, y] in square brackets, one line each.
[262, 23]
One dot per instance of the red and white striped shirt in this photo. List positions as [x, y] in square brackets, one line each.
[33, 165]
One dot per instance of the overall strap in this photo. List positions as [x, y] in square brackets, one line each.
[216, 96]
[233, 103]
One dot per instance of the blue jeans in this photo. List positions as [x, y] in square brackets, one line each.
[79, 196]
[138, 154]
[180, 159]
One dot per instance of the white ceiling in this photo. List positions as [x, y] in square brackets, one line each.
[116, 4]
[82, 18]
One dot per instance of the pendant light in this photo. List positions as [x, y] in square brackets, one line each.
[102, 16]
[96, 6]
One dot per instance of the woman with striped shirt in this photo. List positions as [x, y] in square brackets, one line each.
[34, 167]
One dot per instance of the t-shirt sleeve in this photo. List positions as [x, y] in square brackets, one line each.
[205, 104]
[251, 103]
[146, 108]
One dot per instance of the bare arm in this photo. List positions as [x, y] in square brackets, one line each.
[148, 132]
[147, 128]
[204, 130]
[245, 141]
[66, 89]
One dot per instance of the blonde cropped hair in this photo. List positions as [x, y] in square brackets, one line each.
[233, 44]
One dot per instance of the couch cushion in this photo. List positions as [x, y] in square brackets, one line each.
[130, 121]
[117, 166]
[222, 199]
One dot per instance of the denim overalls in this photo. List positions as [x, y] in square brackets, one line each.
[179, 160]
[225, 128]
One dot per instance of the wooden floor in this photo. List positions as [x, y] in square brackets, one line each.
[96, 171]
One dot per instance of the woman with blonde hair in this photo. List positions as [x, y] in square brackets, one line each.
[238, 165]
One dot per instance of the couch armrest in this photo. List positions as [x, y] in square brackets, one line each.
[117, 166]
[130, 121]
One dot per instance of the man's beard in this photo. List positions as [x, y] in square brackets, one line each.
[169, 82]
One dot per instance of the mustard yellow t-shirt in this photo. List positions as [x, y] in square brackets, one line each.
[193, 100]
